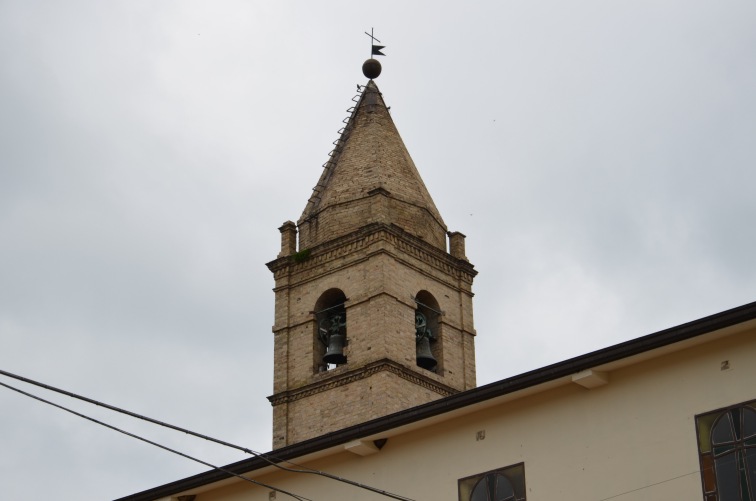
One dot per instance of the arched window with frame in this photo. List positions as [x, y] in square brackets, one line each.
[504, 484]
[727, 451]
[330, 335]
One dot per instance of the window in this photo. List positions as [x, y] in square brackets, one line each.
[330, 330]
[504, 484]
[427, 332]
[727, 451]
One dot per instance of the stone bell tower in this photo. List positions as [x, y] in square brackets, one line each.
[372, 314]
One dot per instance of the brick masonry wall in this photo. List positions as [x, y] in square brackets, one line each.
[379, 271]
[379, 207]
[379, 395]
[371, 178]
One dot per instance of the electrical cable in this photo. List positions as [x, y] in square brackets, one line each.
[651, 485]
[272, 460]
[335, 477]
[106, 425]
[266, 457]
[122, 411]
[729, 461]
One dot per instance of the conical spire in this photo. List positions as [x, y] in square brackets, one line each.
[370, 178]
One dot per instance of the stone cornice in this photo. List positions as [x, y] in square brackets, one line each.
[358, 374]
[357, 240]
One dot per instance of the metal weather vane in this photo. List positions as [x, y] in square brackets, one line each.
[375, 50]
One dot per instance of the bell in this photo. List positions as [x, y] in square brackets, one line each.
[425, 358]
[335, 352]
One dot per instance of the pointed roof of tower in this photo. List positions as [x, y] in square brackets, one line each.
[369, 160]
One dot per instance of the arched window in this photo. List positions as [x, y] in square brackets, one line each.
[493, 487]
[727, 447]
[427, 331]
[330, 330]
[505, 484]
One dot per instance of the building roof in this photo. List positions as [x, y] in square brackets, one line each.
[370, 160]
[656, 344]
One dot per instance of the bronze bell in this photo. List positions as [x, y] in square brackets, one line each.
[425, 358]
[335, 352]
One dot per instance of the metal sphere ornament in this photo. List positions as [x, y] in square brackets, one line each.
[371, 68]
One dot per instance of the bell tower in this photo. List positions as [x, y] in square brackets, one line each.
[373, 314]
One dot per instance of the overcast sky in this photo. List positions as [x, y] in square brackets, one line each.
[599, 156]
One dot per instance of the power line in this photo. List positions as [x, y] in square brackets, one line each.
[651, 485]
[272, 460]
[727, 462]
[242, 477]
[122, 411]
[266, 457]
[337, 478]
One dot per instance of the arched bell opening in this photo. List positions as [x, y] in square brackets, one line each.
[330, 336]
[428, 332]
